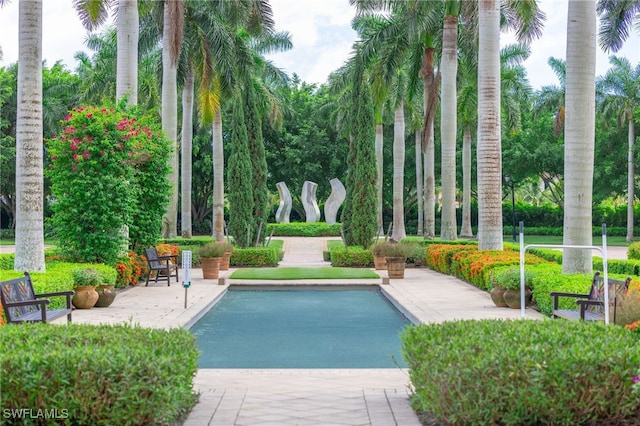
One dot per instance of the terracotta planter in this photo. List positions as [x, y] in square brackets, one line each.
[512, 298]
[395, 266]
[224, 262]
[210, 267]
[380, 262]
[106, 295]
[497, 295]
[85, 297]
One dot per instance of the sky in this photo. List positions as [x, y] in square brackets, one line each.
[321, 34]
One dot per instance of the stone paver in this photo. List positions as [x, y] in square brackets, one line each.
[283, 397]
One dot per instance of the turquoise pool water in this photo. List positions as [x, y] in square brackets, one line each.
[301, 329]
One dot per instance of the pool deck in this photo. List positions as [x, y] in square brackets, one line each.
[280, 397]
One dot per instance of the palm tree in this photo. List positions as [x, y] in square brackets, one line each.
[552, 97]
[171, 43]
[29, 254]
[621, 89]
[579, 134]
[448, 119]
[616, 18]
[95, 13]
[489, 144]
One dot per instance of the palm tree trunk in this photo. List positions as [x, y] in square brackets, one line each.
[448, 126]
[579, 134]
[466, 231]
[379, 164]
[630, 181]
[430, 97]
[127, 53]
[489, 155]
[419, 190]
[186, 148]
[398, 232]
[29, 254]
[170, 110]
[218, 178]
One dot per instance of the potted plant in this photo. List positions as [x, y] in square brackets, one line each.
[396, 256]
[379, 260]
[210, 258]
[85, 281]
[105, 290]
[509, 280]
[226, 257]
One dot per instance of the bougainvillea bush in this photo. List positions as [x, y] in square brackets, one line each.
[108, 172]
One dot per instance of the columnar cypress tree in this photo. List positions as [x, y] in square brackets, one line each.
[361, 215]
[239, 180]
[258, 160]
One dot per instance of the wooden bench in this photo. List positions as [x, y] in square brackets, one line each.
[161, 265]
[591, 306]
[22, 304]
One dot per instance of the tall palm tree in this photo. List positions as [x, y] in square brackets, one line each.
[489, 161]
[551, 97]
[448, 119]
[95, 13]
[579, 134]
[621, 89]
[29, 254]
[173, 21]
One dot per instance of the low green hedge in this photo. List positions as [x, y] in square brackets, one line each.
[354, 257]
[255, 256]
[97, 375]
[523, 372]
[57, 278]
[304, 229]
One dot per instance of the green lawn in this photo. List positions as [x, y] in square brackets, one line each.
[292, 273]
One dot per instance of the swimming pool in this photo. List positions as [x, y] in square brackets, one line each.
[301, 328]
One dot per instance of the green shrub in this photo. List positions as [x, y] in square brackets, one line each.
[213, 249]
[633, 251]
[304, 229]
[254, 256]
[521, 372]
[7, 261]
[354, 256]
[99, 375]
[508, 277]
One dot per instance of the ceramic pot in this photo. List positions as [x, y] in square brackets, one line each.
[497, 295]
[210, 267]
[224, 262]
[85, 297]
[512, 298]
[106, 295]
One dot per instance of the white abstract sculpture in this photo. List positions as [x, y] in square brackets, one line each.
[338, 194]
[284, 210]
[311, 210]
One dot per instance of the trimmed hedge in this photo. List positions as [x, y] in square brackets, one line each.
[354, 257]
[98, 375]
[304, 229]
[255, 256]
[523, 372]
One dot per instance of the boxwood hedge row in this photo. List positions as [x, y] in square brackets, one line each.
[96, 375]
[544, 372]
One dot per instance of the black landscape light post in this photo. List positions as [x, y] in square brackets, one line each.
[509, 182]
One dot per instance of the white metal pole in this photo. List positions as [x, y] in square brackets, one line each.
[605, 271]
[522, 282]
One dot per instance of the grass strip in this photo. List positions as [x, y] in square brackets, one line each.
[293, 273]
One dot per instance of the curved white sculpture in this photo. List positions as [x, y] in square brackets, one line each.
[311, 210]
[284, 209]
[338, 194]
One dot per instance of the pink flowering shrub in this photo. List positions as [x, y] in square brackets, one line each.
[108, 169]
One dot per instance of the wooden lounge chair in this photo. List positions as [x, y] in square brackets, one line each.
[161, 265]
[22, 304]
